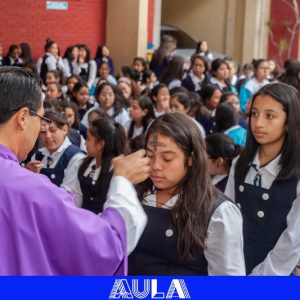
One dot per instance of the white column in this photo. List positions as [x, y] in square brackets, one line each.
[157, 23]
[255, 37]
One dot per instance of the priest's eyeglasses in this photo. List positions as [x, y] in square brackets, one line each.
[45, 122]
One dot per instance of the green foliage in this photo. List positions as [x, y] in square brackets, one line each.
[283, 44]
[288, 23]
[270, 23]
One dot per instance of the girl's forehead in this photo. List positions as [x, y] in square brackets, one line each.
[157, 139]
[107, 88]
[135, 102]
[233, 98]
[163, 90]
[69, 110]
[267, 102]
[84, 89]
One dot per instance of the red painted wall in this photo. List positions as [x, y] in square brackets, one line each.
[150, 21]
[280, 12]
[29, 21]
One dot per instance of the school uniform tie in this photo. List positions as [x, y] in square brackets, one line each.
[92, 172]
[257, 178]
[49, 161]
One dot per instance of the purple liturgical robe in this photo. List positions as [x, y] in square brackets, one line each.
[44, 233]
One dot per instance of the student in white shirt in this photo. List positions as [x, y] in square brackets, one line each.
[50, 61]
[59, 158]
[181, 102]
[220, 74]
[13, 57]
[160, 96]
[105, 141]
[110, 99]
[196, 77]
[142, 114]
[192, 227]
[86, 68]
[70, 61]
[221, 150]
[264, 182]
[261, 72]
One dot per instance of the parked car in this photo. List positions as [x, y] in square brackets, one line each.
[186, 45]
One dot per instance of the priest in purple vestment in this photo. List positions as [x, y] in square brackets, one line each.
[42, 231]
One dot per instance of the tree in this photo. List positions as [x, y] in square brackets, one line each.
[285, 43]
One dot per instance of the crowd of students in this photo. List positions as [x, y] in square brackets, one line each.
[209, 130]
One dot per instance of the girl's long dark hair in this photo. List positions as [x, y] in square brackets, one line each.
[221, 145]
[225, 117]
[144, 103]
[118, 104]
[288, 97]
[192, 212]
[114, 138]
[66, 104]
[173, 71]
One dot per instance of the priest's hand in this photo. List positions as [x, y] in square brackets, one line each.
[134, 167]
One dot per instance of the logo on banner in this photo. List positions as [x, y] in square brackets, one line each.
[130, 289]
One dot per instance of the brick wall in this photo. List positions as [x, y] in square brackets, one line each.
[150, 21]
[29, 21]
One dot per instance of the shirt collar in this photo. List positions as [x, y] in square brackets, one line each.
[111, 111]
[150, 200]
[61, 148]
[272, 167]
[218, 178]
[12, 61]
[214, 80]
[196, 79]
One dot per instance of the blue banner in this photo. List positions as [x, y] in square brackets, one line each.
[97, 288]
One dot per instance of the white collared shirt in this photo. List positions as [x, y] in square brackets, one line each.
[283, 258]
[197, 82]
[73, 165]
[54, 63]
[224, 252]
[214, 80]
[217, 178]
[67, 69]
[92, 71]
[73, 185]
[12, 61]
[253, 85]
[136, 130]
[121, 118]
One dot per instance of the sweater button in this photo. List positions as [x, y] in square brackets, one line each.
[260, 214]
[169, 232]
[241, 188]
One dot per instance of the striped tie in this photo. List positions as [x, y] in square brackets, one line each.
[49, 161]
[257, 178]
